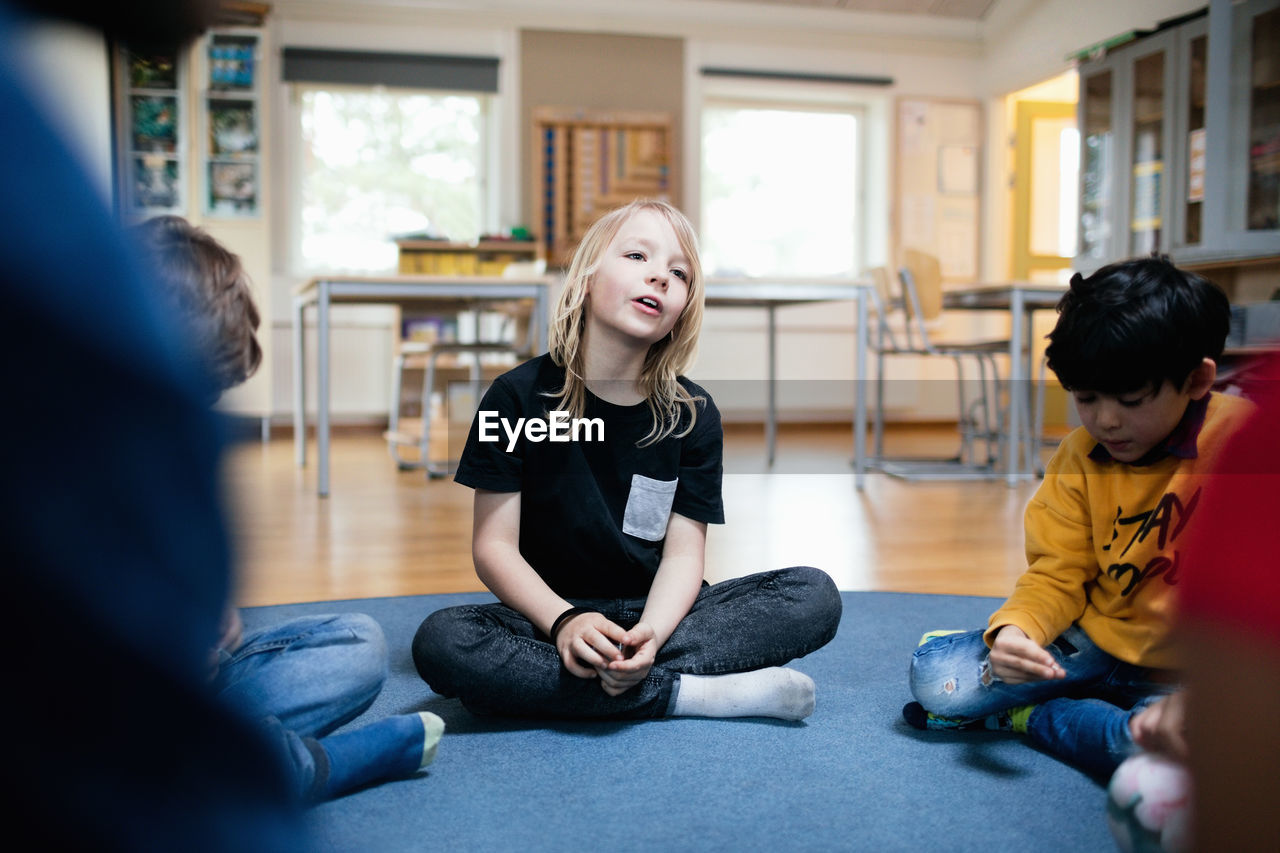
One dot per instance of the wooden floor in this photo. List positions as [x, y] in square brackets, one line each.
[386, 532]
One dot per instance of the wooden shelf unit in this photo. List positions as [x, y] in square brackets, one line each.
[487, 257]
[590, 162]
[414, 418]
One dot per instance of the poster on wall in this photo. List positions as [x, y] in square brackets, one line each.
[232, 62]
[957, 246]
[233, 189]
[232, 128]
[151, 69]
[1195, 165]
[1146, 195]
[155, 123]
[155, 182]
[149, 118]
[938, 155]
[958, 170]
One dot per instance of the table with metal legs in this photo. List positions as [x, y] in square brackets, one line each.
[772, 293]
[1021, 299]
[404, 291]
[325, 291]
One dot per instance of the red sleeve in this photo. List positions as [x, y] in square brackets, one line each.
[1232, 571]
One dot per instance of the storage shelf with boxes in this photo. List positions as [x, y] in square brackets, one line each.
[447, 355]
[442, 257]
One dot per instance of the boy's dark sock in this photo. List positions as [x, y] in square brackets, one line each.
[392, 748]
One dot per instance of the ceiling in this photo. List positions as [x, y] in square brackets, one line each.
[973, 10]
[961, 23]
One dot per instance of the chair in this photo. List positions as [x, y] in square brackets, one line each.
[917, 306]
[514, 338]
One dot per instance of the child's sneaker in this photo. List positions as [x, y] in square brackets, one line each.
[1018, 718]
[915, 715]
[1009, 720]
[930, 635]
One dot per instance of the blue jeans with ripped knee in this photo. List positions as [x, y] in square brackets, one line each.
[1082, 718]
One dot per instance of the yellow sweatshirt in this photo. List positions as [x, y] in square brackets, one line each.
[1104, 542]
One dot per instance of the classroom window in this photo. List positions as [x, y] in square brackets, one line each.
[374, 163]
[781, 189]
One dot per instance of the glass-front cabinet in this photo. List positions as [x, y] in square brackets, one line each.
[231, 123]
[1180, 135]
[189, 127]
[1192, 134]
[149, 83]
[1148, 129]
[1096, 172]
[1255, 148]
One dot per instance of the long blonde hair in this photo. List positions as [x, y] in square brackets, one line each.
[665, 360]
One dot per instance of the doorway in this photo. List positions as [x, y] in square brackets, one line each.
[1045, 191]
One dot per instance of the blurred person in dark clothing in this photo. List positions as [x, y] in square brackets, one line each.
[112, 532]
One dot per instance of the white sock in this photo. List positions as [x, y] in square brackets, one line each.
[433, 730]
[771, 692]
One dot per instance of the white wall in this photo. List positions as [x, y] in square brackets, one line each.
[70, 74]
[816, 342]
[938, 58]
[1024, 47]
[1021, 43]
[1033, 45]
[1024, 41]
[362, 342]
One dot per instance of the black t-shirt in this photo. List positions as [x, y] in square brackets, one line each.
[593, 513]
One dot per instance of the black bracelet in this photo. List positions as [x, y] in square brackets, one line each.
[565, 617]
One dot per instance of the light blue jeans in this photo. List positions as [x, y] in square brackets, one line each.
[1082, 719]
[302, 679]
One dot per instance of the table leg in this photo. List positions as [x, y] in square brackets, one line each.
[322, 390]
[860, 396]
[771, 416]
[877, 452]
[299, 383]
[1013, 437]
[542, 320]
[1032, 448]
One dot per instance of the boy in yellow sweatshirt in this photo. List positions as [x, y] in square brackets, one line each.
[1083, 642]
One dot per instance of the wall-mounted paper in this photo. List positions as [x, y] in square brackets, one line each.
[958, 169]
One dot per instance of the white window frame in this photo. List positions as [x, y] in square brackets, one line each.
[870, 106]
[490, 182]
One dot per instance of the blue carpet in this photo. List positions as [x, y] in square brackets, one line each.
[853, 776]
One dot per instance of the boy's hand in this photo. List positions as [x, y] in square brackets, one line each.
[588, 642]
[639, 649]
[1162, 726]
[1015, 659]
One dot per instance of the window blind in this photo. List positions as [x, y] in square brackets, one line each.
[376, 68]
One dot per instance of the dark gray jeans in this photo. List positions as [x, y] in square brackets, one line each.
[496, 662]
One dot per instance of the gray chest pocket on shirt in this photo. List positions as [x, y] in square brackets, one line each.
[648, 507]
